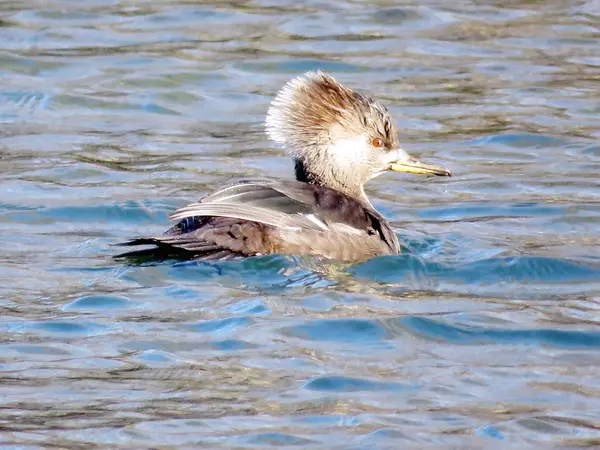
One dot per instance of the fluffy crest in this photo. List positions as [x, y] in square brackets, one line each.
[308, 107]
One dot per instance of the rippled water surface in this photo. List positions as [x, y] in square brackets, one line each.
[484, 333]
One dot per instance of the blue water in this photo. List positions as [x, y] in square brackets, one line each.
[482, 334]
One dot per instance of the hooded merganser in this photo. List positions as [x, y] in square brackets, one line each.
[339, 140]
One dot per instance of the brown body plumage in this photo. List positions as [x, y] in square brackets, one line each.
[339, 140]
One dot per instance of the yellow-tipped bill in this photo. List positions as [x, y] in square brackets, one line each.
[415, 166]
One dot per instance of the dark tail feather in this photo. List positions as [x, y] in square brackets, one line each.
[155, 254]
[162, 251]
[138, 241]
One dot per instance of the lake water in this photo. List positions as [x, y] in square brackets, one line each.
[484, 333]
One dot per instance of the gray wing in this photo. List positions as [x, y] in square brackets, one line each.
[256, 202]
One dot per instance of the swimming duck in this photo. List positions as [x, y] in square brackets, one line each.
[339, 139]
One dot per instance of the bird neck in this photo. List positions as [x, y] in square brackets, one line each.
[321, 175]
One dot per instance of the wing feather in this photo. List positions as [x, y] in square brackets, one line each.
[257, 203]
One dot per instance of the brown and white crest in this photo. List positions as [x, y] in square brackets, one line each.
[307, 107]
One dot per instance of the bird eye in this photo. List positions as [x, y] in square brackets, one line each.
[377, 142]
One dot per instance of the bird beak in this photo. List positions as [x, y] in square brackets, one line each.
[406, 163]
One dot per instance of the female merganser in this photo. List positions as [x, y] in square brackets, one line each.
[339, 140]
